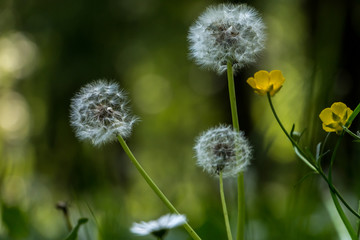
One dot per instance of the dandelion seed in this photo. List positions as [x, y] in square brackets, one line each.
[99, 113]
[227, 32]
[158, 227]
[223, 149]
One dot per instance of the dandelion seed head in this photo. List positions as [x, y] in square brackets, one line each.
[223, 149]
[227, 32]
[99, 113]
[158, 227]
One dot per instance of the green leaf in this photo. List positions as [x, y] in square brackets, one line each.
[74, 232]
[304, 159]
[353, 116]
[15, 221]
[317, 156]
[292, 129]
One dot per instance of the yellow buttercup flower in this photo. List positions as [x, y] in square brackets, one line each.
[264, 82]
[335, 117]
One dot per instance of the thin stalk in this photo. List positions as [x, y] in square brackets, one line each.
[337, 193]
[154, 187]
[232, 97]
[286, 133]
[358, 223]
[241, 206]
[63, 207]
[333, 191]
[223, 203]
[343, 216]
[318, 169]
[357, 137]
[240, 179]
[333, 195]
[333, 157]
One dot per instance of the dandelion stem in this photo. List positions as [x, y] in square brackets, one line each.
[154, 187]
[223, 202]
[232, 97]
[235, 121]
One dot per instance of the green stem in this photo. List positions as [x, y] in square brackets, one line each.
[358, 223]
[154, 187]
[333, 195]
[294, 143]
[68, 222]
[333, 157]
[223, 203]
[232, 97]
[313, 166]
[241, 206]
[333, 191]
[343, 216]
[240, 180]
[337, 193]
[357, 137]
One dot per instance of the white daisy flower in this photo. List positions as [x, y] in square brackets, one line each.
[221, 149]
[227, 32]
[99, 113]
[158, 227]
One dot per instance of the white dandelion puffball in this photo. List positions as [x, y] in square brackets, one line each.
[99, 113]
[227, 32]
[158, 227]
[222, 149]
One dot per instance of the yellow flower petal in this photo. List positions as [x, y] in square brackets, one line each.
[262, 79]
[327, 129]
[260, 92]
[347, 115]
[326, 116]
[251, 82]
[339, 108]
[273, 91]
[335, 126]
[335, 117]
[276, 78]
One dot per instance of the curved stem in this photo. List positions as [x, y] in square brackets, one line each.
[223, 203]
[318, 169]
[343, 217]
[333, 157]
[333, 195]
[154, 187]
[240, 179]
[294, 143]
[357, 137]
[337, 193]
[333, 191]
[322, 150]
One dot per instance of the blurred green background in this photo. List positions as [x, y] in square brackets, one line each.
[49, 49]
